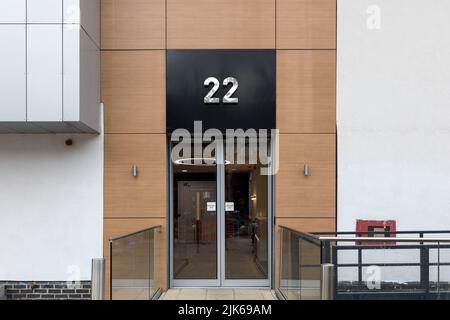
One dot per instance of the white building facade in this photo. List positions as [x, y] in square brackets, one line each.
[393, 127]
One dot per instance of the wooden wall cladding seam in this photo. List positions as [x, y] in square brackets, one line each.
[220, 24]
[306, 91]
[306, 24]
[133, 24]
[134, 91]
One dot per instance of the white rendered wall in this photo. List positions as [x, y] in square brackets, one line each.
[393, 113]
[393, 119]
[51, 206]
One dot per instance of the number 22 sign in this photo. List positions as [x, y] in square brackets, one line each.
[210, 99]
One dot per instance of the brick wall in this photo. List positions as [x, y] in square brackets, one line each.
[39, 290]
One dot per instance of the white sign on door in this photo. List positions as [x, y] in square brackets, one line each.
[229, 206]
[210, 206]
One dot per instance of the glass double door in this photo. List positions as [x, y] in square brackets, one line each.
[220, 230]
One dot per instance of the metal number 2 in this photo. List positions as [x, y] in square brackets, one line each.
[228, 98]
[210, 99]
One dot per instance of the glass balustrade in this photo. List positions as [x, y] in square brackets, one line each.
[134, 265]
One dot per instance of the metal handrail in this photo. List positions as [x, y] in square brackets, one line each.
[379, 232]
[126, 235]
[317, 236]
[423, 241]
[379, 239]
[304, 235]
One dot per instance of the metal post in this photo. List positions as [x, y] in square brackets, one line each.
[2, 293]
[296, 263]
[327, 281]
[425, 268]
[98, 279]
[360, 284]
[326, 252]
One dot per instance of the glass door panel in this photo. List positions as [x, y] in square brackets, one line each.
[194, 220]
[246, 218]
[220, 221]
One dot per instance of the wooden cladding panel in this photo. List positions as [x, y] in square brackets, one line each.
[133, 24]
[306, 24]
[306, 91]
[118, 227]
[141, 196]
[298, 195]
[133, 91]
[220, 24]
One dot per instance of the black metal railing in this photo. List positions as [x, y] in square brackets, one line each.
[134, 265]
[401, 265]
[401, 268]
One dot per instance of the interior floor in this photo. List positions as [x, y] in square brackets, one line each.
[239, 261]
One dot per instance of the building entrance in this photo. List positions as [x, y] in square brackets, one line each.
[220, 213]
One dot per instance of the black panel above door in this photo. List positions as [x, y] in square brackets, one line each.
[250, 72]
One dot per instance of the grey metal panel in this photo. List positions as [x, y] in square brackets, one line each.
[71, 11]
[57, 127]
[13, 11]
[5, 129]
[50, 80]
[44, 78]
[90, 99]
[87, 14]
[13, 72]
[44, 11]
[71, 72]
[90, 19]
[83, 128]
[45, 127]
[23, 127]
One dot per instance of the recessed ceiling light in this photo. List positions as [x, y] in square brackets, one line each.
[203, 161]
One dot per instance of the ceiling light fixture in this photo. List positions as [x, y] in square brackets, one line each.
[204, 162]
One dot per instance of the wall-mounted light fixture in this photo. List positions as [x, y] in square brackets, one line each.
[306, 170]
[253, 197]
[134, 170]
